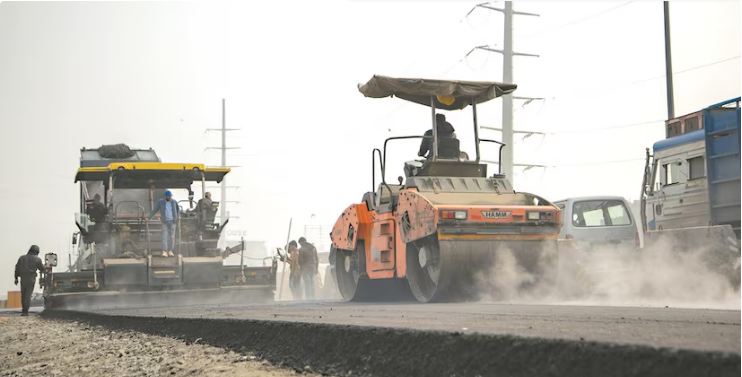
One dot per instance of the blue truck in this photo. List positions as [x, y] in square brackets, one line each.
[691, 185]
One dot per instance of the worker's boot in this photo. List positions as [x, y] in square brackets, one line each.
[164, 253]
[170, 254]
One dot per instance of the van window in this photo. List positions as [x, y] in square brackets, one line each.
[600, 213]
[697, 167]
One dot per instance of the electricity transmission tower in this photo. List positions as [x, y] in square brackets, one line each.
[223, 213]
[507, 77]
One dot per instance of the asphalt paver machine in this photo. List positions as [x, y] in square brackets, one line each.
[119, 258]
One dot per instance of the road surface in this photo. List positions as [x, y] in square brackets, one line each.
[690, 329]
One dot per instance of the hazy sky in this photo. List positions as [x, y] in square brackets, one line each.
[153, 75]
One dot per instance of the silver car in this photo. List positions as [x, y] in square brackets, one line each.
[593, 222]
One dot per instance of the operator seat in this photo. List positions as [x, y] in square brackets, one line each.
[448, 148]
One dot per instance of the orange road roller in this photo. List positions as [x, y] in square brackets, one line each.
[438, 232]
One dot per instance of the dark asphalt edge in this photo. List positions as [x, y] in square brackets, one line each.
[371, 351]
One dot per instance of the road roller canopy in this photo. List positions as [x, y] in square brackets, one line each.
[445, 94]
[152, 174]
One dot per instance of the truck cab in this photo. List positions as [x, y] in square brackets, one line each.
[692, 178]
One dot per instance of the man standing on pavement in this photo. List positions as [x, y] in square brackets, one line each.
[25, 269]
[295, 272]
[308, 265]
[168, 209]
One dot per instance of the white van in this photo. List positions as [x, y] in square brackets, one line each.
[597, 222]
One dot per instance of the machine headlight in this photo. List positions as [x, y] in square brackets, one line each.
[454, 215]
[534, 215]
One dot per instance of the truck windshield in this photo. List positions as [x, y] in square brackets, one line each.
[600, 213]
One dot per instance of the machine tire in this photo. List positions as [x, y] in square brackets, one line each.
[424, 268]
[348, 270]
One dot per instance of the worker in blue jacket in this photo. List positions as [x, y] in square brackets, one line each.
[168, 209]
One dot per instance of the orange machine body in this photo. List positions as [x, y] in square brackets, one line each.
[418, 215]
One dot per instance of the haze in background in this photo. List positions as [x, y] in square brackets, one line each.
[153, 75]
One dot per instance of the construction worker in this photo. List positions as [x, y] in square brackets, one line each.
[308, 265]
[203, 208]
[295, 270]
[169, 212]
[97, 210]
[445, 130]
[25, 269]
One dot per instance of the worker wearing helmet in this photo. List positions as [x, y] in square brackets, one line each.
[168, 209]
[25, 269]
[308, 265]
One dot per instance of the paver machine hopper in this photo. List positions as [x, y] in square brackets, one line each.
[441, 230]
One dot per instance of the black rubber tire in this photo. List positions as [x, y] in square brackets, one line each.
[424, 281]
[347, 272]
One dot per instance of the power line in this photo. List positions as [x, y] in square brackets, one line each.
[565, 165]
[595, 91]
[578, 20]
[580, 130]
[597, 163]
[614, 127]
[689, 69]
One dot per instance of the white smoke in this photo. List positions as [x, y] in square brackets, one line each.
[661, 275]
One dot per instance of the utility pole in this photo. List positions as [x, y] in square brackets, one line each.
[507, 100]
[223, 213]
[507, 77]
[668, 63]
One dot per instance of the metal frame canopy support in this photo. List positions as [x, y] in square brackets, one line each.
[476, 127]
[434, 128]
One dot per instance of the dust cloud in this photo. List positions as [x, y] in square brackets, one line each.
[166, 299]
[661, 275]
[325, 285]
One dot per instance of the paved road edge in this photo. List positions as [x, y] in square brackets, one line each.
[371, 351]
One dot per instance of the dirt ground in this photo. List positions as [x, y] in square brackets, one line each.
[33, 346]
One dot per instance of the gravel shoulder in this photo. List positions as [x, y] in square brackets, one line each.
[36, 346]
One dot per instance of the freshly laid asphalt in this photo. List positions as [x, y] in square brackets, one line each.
[689, 329]
[457, 339]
